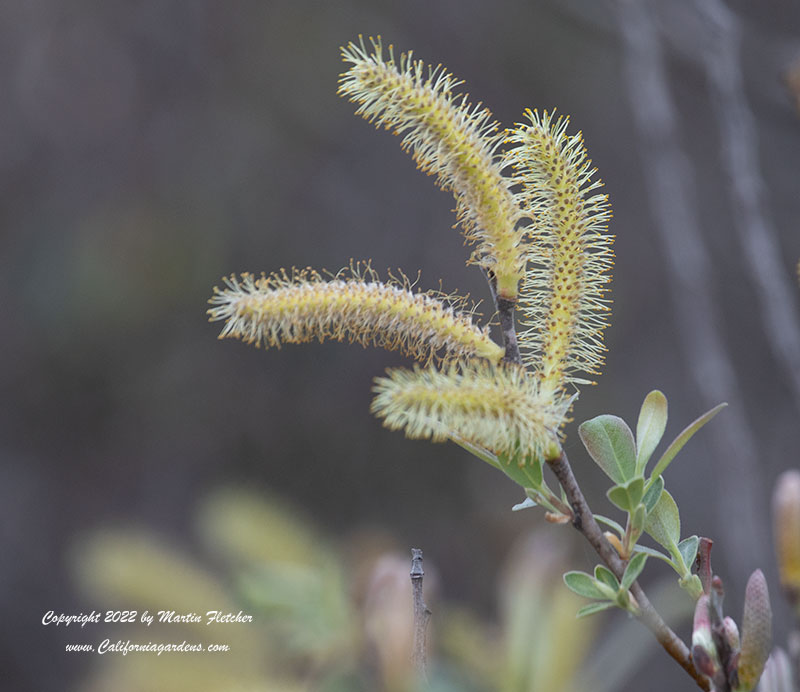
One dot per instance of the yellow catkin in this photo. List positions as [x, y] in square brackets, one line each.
[498, 407]
[303, 306]
[786, 527]
[562, 299]
[448, 137]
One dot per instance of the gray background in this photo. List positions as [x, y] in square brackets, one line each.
[149, 148]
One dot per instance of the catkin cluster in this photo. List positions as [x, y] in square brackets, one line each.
[525, 200]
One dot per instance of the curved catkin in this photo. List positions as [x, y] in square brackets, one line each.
[498, 407]
[448, 137]
[302, 306]
[562, 299]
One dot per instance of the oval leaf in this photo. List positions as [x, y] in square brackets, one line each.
[654, 553]
[650, 427]
[583, 584]
[522, 470]
[664, 522]
[635, 492]
[609, 442]
[683, 438]
[606, 576]
[688, 550]
[653, 494]
[638, 519]
[619, 496]
[633, 570]
[593, 608]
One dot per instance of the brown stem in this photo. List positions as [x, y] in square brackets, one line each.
[505, 313]
[584, 521]
[421, 616]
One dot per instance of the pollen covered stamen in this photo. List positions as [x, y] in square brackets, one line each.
[302, 306]
[562, 300]
[498, 407]
[448, 137]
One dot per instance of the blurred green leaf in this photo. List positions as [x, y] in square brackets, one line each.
[606, 576]
[584, 585]
[633, 570]
[683, 438]
[688, 549]
[627, 497]
[652, 552]
[653, 494]
[664, 522]
[638, 519]
[650, 428]
[609, 442]
[593, 608]
[523, 471]
[619, 497]
[610, 523]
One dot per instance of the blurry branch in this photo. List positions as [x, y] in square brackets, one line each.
[668, 178]
[421, 616]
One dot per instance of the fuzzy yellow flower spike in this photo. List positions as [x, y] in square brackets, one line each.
[496, 407]
[562, 299]
[302, 306]
[449, 137]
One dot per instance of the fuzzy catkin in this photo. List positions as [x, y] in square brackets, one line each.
[498, 407]
[563, 303]
[448, 137]
[302, 306]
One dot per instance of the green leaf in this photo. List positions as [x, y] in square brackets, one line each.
[653, 553]
[619, 496]
[609, 442]
[610, 523]
[627, 497]
[606, 576]
[635, 491]
[525, 504]
[480, 452]
[683, 438]
[638, 520]
[688, 550]
[584, 585]
[633, 570]
[664, 522]
[653, 494]
[650, 428]
[525, 472]
[593, 608]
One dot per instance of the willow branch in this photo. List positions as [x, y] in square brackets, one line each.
[584, 521]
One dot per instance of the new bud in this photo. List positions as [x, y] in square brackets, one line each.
[704, 652]
[756, 632]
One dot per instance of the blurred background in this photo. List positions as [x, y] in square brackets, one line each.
[149, 148]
